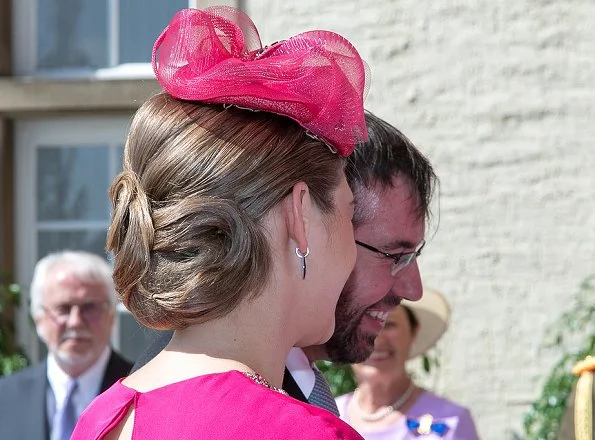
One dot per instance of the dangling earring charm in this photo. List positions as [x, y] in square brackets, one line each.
[303, 258]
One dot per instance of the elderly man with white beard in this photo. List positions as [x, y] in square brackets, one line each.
[73, 304]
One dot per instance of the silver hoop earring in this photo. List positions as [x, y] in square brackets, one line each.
[303, 258]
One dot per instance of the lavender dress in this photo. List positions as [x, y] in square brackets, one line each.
[449, 421]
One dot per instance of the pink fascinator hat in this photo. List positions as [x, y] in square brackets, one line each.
[316, 78]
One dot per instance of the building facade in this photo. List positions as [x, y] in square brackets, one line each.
[71, 75]
[499, 95]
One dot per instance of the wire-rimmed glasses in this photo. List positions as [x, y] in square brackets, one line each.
[89, 311]
[400, 260]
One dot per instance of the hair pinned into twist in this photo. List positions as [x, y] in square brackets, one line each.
[218, 241]
[187, 227]
[131, 233]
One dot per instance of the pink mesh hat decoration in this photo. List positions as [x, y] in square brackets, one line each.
[316, 78]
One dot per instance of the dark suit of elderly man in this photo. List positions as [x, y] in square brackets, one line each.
[73, 306]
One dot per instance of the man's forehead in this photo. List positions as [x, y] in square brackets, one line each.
[376, 198]
[63, 278]
[390, 214]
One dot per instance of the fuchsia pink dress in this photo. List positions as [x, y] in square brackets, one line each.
[214, 406]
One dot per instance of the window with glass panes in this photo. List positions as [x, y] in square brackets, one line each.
[95, 34]
[73, 37]
[64, 169]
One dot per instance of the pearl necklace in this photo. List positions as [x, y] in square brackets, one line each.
[382, 413]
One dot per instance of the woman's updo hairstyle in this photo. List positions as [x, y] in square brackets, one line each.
[197, 180]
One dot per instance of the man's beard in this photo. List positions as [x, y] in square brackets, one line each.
[73, 359]
[348, 345]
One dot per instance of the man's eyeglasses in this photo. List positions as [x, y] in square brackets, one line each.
[400, 260]
[90, 312]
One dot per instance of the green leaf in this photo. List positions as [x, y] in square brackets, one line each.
[340, 377]
[542, 421]
[11, 356]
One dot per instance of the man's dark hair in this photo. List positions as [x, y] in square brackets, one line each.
[389, 154]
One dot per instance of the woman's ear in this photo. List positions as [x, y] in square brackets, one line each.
[301, 209]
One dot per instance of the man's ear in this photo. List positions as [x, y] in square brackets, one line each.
[40, 327]
[301, 209]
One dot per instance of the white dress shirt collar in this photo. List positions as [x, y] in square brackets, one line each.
[301, 370]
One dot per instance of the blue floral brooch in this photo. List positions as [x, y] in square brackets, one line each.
[427, 425]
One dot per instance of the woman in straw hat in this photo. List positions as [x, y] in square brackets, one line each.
[387, 403]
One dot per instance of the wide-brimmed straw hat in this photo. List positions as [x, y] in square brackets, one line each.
[433, 314]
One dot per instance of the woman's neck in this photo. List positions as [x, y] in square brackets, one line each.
[244, 337]
[251, 338]
[378, 404]
[380, 392]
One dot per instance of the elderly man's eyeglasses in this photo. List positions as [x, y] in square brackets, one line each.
[400, 260]
[90, 311]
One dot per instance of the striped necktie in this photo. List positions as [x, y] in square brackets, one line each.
[321, 394]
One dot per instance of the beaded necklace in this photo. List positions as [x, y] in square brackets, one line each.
[262, 381]
[383, 412]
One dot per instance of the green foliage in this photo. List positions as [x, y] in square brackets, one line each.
[11, 357]
[342, 380]
[430, 361]
[339, 377]
[12, 363]
[575, 325]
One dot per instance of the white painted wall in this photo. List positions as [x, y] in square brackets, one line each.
[500, 95]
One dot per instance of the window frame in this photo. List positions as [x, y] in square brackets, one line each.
[30, 135]
[24, 16]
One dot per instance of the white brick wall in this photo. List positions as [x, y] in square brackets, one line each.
[500, 95]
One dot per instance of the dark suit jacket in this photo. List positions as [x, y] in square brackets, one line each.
[566, 431]
[157, 344]
[23, 399]
[292, 388]
[163, 339]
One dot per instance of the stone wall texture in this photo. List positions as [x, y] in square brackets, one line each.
[500, 96]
